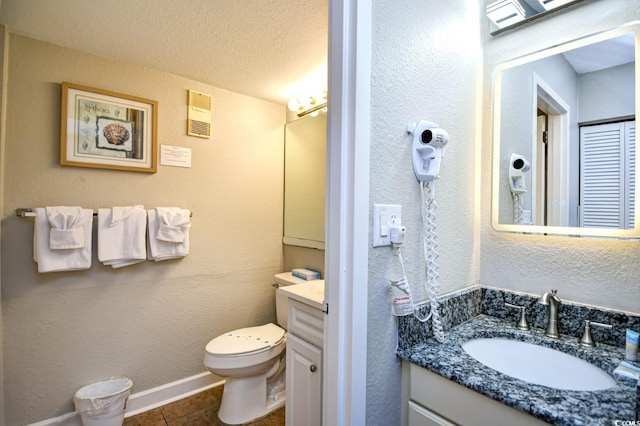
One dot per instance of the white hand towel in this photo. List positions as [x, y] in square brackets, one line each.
[172, 224]
[159, 249]
[67, 231]
[121, 236]
[55, 260]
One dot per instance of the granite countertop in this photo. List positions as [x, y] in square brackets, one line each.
[561, 407]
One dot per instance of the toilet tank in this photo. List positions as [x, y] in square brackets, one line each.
[282, 301]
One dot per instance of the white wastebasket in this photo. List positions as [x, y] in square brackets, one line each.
[103, 403]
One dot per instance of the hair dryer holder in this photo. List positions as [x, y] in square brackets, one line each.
[429, 141]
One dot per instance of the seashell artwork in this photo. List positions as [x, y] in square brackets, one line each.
[116, 134]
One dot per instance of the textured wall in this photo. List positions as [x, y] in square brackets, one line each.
[425, 66]
[586, 270]
[149, 322]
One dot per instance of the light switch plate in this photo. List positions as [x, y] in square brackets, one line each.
[385, 216]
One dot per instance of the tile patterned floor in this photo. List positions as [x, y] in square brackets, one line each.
[197, 410]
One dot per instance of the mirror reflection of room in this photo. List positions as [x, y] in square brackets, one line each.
[304, 181]
[581, 146]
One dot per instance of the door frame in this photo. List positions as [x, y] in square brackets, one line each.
[557, 179]
[347, 213]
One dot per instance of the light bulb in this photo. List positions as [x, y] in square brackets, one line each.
[320, 96]
[293, 105]
[305, 101]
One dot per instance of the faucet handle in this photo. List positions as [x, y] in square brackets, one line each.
[587, 339]
[523, 324]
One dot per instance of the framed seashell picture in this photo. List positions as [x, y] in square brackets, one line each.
[107, 130]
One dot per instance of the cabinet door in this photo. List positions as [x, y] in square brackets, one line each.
[304, 383]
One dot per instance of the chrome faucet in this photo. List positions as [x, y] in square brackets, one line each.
[553, 302]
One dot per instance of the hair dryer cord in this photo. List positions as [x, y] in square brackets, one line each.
[431, 255]
[518, 213]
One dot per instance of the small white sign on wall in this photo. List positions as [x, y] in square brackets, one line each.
[177, 156]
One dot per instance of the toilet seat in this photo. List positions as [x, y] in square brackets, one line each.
[246, 341]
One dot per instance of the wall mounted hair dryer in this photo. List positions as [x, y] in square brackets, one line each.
[429, 141]
[518, 166]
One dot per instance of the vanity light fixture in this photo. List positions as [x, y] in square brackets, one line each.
[508, 14]
[552, 4]
[505, 12]
[309, 105]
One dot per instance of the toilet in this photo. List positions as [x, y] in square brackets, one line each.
[252, 361]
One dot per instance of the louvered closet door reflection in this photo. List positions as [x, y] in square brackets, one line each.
[607, 175]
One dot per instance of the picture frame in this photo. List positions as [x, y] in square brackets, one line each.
[107, 130]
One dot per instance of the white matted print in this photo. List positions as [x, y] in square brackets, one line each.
[107, 130]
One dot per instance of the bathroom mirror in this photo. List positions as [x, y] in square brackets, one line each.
[304, 181]
[564, 158]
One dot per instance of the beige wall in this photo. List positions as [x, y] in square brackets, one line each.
[151, 321]
[587, 270]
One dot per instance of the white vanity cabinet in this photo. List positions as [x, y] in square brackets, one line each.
[435, 400]
[304, 365]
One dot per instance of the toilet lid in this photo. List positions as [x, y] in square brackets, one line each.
[246, 340]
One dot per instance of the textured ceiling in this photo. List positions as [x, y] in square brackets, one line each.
[262, 48]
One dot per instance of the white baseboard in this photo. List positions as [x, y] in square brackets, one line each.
[156, 397]
[151, 398]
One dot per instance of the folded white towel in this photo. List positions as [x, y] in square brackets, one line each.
[121, 236]
[67, 231]
[168, 235]
[173, 222]
[61, 259]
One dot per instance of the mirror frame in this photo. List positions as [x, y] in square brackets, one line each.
[632, 27]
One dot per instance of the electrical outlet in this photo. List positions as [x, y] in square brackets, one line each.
[385, 216]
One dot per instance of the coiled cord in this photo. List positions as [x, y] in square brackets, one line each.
[431, 256]
[518, 214]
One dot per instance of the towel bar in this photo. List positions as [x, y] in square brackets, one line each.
[31, 213]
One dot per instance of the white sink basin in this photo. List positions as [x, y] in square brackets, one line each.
[539, 365]
[311, 292]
